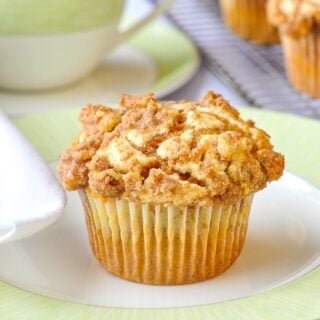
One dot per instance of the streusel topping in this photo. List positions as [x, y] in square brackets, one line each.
[178, 153]
[295, 17]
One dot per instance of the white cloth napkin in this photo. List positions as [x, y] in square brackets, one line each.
[31, 198]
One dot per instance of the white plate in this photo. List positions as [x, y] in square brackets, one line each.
[283, 243]
[159, 59]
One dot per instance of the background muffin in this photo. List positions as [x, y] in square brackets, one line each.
[299, 25]
[167, 187]
[248, 19]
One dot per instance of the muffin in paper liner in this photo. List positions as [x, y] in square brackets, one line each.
[167, 186]
[248, 19]
[165, 245]
[299, 26]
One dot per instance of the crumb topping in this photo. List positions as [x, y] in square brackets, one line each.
[296, 18]
[176, 153]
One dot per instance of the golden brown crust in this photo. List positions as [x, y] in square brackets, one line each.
[178, 153]
[96, 121]
[296, 18]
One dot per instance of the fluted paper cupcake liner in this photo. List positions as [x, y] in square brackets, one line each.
[248, 19]
[302, 57]
[159, 244]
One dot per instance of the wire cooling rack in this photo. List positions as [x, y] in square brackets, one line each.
[256, 72]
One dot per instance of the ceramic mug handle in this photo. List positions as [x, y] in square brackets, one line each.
[160, 8]
[7, 230]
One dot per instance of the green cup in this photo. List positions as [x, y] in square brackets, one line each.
[56, 16]
[51, 43]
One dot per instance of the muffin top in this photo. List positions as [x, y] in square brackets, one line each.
[295, 17]
[175, 153]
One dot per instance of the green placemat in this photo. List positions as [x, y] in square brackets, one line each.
[298, 138]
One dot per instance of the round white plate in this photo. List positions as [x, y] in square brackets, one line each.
[295, 300]
[283, 243]
[159, 59]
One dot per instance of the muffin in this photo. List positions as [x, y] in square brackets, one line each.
[299, 26]
[248, 19]
[167, 186]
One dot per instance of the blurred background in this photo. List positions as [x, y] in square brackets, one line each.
[179, 55]
[61, 63]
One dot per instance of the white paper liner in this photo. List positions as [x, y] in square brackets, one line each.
[159, 244]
